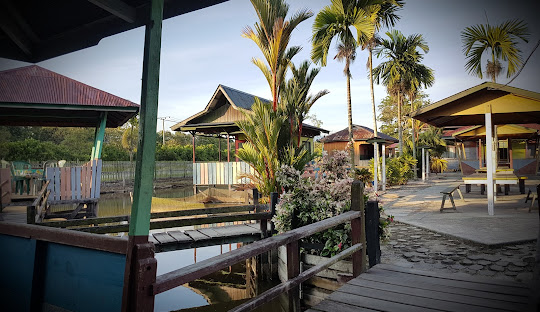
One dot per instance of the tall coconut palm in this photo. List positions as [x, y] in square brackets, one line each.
[500, 41]
[336, 21]
[396, 73]
[272, 35]
[385, 16]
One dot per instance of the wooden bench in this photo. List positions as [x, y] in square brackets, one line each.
[448, 192]
[534, 197]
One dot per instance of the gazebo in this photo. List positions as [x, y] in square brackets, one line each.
[487, 104]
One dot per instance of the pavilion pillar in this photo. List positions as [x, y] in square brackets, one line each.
[423, 164]
[383, 170]
[99, 137]
[219, 148]
[193, 144]
[375, 166]
[228, 148]
[479, 153]
[141, 265]
[427, 163]
[489, 161]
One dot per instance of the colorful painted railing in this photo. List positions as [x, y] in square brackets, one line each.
[221, 173]
[75, 183]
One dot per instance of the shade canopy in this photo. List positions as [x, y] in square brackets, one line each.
[508, 105]
[34, 31]
[503, 131]
[35, 96]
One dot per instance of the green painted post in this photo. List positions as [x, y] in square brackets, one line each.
[99, 137]
[139, 224]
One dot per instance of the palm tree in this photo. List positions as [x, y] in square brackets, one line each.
[347, 53]
[398, 71]
[272, 34]
[502, 43]
[418, 75]
[296, 100]
[336, 22]
[385, 16]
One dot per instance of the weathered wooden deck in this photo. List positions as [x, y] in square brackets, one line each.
[392, 288]
[219, 235]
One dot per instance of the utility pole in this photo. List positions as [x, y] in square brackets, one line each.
[163, 132]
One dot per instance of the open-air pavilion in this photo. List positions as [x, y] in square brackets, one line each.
[489, 104]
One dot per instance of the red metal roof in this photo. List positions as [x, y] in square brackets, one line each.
[360, 133]
[34, 84]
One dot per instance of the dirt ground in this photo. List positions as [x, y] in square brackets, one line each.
[119, 187]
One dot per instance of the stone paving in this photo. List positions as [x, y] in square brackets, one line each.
[414, 247]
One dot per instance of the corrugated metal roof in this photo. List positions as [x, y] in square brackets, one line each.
[240, 98]
[35, 84]
[360, 133]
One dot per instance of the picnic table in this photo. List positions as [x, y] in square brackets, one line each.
[499, 178]
[31, 176]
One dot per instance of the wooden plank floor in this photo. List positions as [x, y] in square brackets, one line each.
[392, 288]
[176, 240]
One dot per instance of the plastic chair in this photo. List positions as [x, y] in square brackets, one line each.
[19, 180]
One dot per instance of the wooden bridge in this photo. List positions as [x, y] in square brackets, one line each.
[393, 288]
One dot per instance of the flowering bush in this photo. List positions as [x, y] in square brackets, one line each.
[305, 201]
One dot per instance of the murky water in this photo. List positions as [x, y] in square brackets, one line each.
[222, 287]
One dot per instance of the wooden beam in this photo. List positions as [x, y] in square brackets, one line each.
[118, 8]
[14, 32]
[146, 150]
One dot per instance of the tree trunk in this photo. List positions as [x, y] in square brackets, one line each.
[413, 138]
[349, 108]
[400, 128]
[375, 134]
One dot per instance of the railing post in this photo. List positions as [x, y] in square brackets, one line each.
[139, 275]
[31, 214]
[293, 269]
[358, 229]
[372, 233]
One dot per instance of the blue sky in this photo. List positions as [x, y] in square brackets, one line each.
[204, 48]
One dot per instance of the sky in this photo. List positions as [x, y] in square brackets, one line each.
[203, 49]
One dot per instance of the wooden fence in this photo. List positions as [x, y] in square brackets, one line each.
[224, 173]
[115, 171]
[75, 183]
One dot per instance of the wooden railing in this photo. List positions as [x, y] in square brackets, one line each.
[291, 239]
[36, 211]
[73, 184]
[198, 216]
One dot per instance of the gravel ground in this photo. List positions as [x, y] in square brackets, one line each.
[417, 248]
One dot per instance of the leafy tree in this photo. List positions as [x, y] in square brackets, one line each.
[388, 117]
[130, 137]
[336, 22]
[395, 73]
[272, 34]
[500, 41]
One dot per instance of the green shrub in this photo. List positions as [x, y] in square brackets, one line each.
[399, 170]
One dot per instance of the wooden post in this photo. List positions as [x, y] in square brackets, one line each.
[293, 269]
[372, 233]
[140, 270]
[193, 144]
[376, 166]
[31, 214]
[358, 229]
[383, 170]
[479, 153]
[139, 275]
[219, 148]
[489, 160]
[423, 164]
[427, 164]
[228, 148]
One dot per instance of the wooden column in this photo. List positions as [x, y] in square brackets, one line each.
[228, 148]
[427, 164]
[193, 144]
[510, 157]
[293, 269]
[423, 164]
[375, 166]
[383, 170]
[219, 148]
[489, 161]
[358, 228]
[479, 153]
[372, 233]
[98, 137]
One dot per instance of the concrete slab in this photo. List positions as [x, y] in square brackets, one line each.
[418, 204]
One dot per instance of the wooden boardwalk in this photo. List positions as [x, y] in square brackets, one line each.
[218, 235]
[392, 288]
